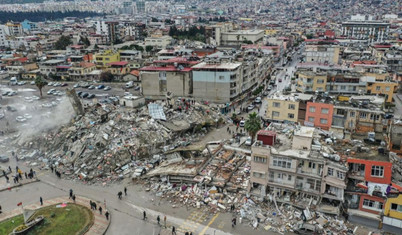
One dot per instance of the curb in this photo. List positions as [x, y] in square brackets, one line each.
[10, 214]
[19, 185]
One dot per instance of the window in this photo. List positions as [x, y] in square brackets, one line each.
[352, 114]
[311, 165]
[289, 177]
[282, 162]
[330, 171]
[260, 159]
[340, 112]
[377, 88]
[275, 114]
[377, 171]
[258, 174]
[291, 106]
[396, 207]
[372, 205]
[363, 115]
[323, 121]
[340, 175]
[291, 115]
[277, 104]
[387, 88]
[324, 111]
[343, 87]
[320, 81]
[311, 119]
[312, 109]
[221, 77]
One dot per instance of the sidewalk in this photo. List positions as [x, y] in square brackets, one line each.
[99, 226]
[6, 186]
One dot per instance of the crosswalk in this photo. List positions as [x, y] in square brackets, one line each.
[193, 221]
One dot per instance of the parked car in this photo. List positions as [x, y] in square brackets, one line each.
[265, 93]
[250, 107]
[129, 84]
[242, 123]
[76, 85]
[79, 93]
[309, 229]
[84, 95]
[32, 83]
[11, 109]
[12, 93]
[64, 84]
[269, 88]
[248, 141]
[280, 80]
[51, 91]
[257, 100]
[101, 87]
[137, 88]
[20, 119]
[4, 159]
[107, 88]
[91, 96]
[91, 87]
[1, 115]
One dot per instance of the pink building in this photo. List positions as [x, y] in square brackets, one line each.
[319, 115]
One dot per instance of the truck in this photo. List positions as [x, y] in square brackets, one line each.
[13, 81]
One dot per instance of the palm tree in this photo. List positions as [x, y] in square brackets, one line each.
[40, 83]
[252, 125]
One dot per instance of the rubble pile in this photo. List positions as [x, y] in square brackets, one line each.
[287, 218]
[108, 142]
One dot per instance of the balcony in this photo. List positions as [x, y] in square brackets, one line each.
[281, 182]
[313, 174]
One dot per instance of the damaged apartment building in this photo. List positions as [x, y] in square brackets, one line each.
[220, 77]
[291, 165]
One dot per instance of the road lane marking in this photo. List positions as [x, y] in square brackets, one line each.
[209, 224]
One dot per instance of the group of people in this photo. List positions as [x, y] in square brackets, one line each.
[58, 174]
[18, 174]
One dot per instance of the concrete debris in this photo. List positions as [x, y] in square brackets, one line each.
[110, 142]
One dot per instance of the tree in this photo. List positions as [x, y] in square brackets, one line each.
[40, 83]
[106, 76]
[63, 42]
[149, 48]
[252, 125]
[85, 41]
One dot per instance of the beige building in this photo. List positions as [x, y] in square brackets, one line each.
[156, 82]
[240, 36]
[283, 108]
[318, 53]
[158, 41]
[309, 81]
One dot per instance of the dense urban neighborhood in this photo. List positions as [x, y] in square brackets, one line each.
[200, 117]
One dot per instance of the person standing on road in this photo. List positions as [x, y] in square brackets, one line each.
[125, 191]
[144, 215]
[100, 210]
[73, 198]
[164, 220]
[71, 194]
[119, 195]
[107, 215]
[158, 219]
[41, 201]
[173, 230]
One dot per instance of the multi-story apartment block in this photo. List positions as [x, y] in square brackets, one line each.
[309, 81]
[283, 108]
[294, 170]
[82, 71]
[320, 51]
[372, 31]
[14, 29]
[3, 36]
[217, 81]
[319, 115]
[108, 56]
[158, 41]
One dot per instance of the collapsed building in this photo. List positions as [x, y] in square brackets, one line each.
[109, 142]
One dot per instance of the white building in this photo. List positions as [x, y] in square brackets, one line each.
[3, 34]
[372, 31]
[159, 42]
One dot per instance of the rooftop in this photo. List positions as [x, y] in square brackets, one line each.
[167, 68]
[304, 131]
[228, 66]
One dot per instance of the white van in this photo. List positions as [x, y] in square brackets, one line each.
[13, 81]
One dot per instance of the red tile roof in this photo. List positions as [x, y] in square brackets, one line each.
[119, 63]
